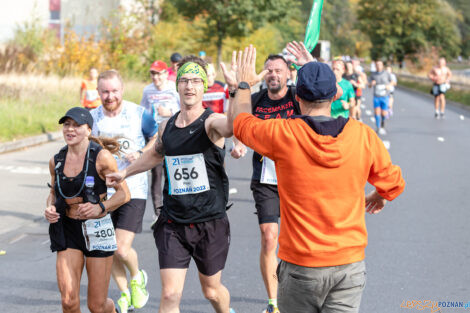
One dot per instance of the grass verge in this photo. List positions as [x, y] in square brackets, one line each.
[461, 96]
[32, 105]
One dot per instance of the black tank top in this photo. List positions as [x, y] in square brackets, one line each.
[353, 76]
[71, 185]
[187, 150]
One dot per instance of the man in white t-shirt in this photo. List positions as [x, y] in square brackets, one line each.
[132, 126]
[161, 99]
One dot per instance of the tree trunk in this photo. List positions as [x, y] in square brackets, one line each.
[219, 55]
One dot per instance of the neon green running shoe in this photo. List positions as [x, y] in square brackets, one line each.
[124, 303]
[139, 294]
[271, 309]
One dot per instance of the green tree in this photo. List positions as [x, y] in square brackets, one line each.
[463, 6]
[337, 26]
[403, 28]
[232, 18]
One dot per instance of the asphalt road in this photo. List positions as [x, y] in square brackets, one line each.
[418, 246]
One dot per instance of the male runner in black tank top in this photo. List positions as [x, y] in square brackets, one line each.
[191, 144]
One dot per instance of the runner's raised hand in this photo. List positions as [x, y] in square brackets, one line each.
[301, 54]
[246, 67]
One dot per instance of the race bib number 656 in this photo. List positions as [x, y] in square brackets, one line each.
[187, 174]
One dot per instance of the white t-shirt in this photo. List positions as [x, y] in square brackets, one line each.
[153, 98]
[130, 127]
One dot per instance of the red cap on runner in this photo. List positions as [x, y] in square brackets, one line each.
[158, 66]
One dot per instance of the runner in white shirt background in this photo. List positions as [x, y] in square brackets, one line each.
[131, 125]
[162, 100]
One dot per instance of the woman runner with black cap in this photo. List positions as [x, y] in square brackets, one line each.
[81, 230]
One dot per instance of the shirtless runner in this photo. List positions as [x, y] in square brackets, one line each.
[440, 76]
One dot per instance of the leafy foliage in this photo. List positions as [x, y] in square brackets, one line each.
[463, 7]
[407, 27]
[131, 40]
[231, 18]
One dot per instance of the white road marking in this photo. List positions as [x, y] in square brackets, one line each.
[25, 169]
[441, 139]
[386, 144]
[462, 117]
[368, 112]
[372, 119]
[363, 106]
[45, 242]
[18, 238]
[232, 191]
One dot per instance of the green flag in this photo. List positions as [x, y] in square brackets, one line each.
[312, 31]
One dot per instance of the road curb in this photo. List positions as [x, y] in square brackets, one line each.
[29, 142]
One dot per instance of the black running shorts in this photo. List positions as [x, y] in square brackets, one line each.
[129, 216]
[266, 202]
[207, 243]
[74, 239]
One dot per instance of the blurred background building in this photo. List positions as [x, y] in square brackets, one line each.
[82, 16]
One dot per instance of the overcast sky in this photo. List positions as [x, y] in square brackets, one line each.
[13, 12]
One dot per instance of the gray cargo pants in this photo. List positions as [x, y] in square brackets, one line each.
[333, 289]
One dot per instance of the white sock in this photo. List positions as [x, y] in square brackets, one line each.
[138, 278]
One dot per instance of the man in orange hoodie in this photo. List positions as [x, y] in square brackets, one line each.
[322, 166]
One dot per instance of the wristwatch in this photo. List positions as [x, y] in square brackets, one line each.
[232, 93]
[243, 85]
[103, 209]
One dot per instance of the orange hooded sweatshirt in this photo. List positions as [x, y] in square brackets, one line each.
[321, 181]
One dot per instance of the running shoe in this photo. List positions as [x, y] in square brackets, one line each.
[271, 309]
[382, 131]
[442, 115]
[139, 294]
[437, 115]
[124, 303]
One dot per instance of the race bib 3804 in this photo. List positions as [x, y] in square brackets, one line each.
[99, 234]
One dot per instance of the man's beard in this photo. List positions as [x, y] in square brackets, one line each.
[115, 105]
[274, 89]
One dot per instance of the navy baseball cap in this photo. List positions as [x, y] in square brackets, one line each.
[175, 57]
[316, 81]
[79, 115]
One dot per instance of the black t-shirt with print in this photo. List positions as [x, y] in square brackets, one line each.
[265, 108]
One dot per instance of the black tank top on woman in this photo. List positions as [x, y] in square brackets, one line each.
[71, 185]
[185, 199]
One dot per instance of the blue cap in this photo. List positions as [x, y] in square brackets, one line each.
[202, 53]
[316, 81]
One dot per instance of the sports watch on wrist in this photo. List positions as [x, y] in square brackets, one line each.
[232, 93]
[103, 209]
[243, 85]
